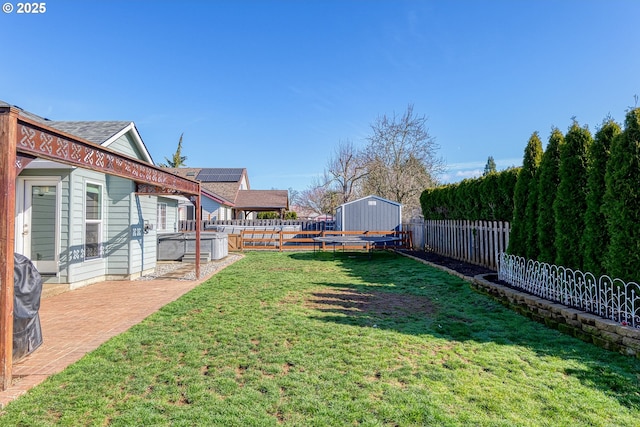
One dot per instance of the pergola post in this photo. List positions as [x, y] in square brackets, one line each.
[8, 129]
[198, 227]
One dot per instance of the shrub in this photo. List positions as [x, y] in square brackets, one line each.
[622, 202]
[525, 201]
[291, 215]
[596, 235]
[268, 215]
[487, 198]
[548, 180]
[571, 200]
[506, 188]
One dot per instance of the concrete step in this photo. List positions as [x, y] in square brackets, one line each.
[190, 257]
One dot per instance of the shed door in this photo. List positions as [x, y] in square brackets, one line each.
[37, 223]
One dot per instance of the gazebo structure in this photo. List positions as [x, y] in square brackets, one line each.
[22, 140]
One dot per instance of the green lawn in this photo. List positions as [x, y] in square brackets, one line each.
[315, 340]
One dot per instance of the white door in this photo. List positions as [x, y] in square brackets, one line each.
[37, 222]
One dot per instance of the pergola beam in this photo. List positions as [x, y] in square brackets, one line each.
[44, 142]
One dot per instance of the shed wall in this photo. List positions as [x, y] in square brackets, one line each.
[369, 214]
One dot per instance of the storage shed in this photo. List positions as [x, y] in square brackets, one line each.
[371, 213]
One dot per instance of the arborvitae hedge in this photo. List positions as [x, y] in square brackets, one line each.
[488, 198]
[523, 227]
[548, 180]
[571, 209]
[533, 155]
[571, 200]
[622, 202]
[596, 235]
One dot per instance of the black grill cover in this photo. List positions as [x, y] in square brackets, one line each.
[27, 288]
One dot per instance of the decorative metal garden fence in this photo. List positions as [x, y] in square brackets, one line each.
[606, 297]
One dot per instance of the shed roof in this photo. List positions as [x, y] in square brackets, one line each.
[371, 197]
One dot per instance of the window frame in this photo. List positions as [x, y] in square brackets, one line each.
[161, 218]
[98, 222]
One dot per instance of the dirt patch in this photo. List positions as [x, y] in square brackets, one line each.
[374, 303]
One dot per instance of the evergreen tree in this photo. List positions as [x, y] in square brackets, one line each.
[622, 202]
[596, 235]
[523, 226]
[571, 200]
[490, 167]
[547, 189]
[178, 160]
[506, 188]
[531, 213]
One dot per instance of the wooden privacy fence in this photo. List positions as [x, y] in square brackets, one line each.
[476, 242]
[295, 240]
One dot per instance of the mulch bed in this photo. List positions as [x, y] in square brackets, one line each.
[462, 267]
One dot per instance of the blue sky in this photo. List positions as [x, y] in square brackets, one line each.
[274, 86]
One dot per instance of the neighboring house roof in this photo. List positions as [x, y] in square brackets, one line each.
[222, 182]
[262, 199]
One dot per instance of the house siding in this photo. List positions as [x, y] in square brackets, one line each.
[171, 218]
[149, 240]
[125, 145]
[211, 209]
[83, 271]
[118, 205]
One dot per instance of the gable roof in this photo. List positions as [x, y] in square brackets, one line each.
[94, 131]
[262, 199]
[104, 133]
[25, 113]
[99, 132]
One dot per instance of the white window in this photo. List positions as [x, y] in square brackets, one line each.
[162, 216]
[93, 221]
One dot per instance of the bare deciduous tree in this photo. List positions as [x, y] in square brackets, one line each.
[401, 159]
[319, 198]
[346, 170]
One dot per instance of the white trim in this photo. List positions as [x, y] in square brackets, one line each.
[372, 196]
[101, 221]
[131, 127]
[20, 214]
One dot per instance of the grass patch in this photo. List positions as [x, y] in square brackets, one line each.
[305, 339]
